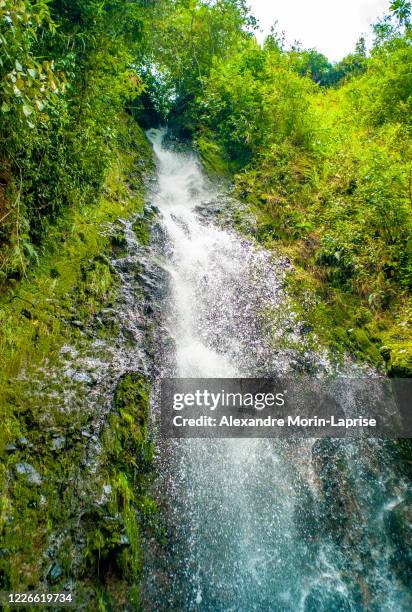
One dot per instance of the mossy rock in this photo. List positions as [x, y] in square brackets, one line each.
[132, 394]
[107, 545]
[55, 305]
[400, 363]
[141, 229]
[213, 156]
[112, 532]
[363, 343]
[119, 242]
[126, 434]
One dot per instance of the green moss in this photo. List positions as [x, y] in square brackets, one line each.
[337, 317]
[363, 343]
[119, 242]
[400, 363]
[128, 423]
[113, 541]
[213, 156]
[56, 305]
[142, 231]
[397, 341]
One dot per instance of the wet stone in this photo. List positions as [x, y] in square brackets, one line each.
[55, 573]
[398, 524]
[28, 471]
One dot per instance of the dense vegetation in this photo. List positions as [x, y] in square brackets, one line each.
[320, 154]
[66, 73]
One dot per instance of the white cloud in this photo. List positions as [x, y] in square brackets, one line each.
[331, 26]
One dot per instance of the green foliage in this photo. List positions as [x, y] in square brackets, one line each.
[213, 155]
[189, 36]
[402, 10]
[68, 69]
[27, 85]
[254, 99]
[313, 64]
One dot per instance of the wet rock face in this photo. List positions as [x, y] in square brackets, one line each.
[92, 447]
[339, 513]
[306, 517]
[398, 523]
[338, 504]
[153, 280]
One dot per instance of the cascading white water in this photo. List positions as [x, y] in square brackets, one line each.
[247, 528]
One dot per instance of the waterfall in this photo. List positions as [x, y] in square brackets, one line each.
[249, 524]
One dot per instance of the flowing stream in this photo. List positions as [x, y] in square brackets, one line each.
[255, 524]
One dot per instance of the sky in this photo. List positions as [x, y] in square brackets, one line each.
[330, 26]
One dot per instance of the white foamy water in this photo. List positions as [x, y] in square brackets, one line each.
[247, 520]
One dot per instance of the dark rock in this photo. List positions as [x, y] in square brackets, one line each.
[148, 309]
[55, 573]
[338, 508]
[146, 281]
[398, 523]
[305, 329]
